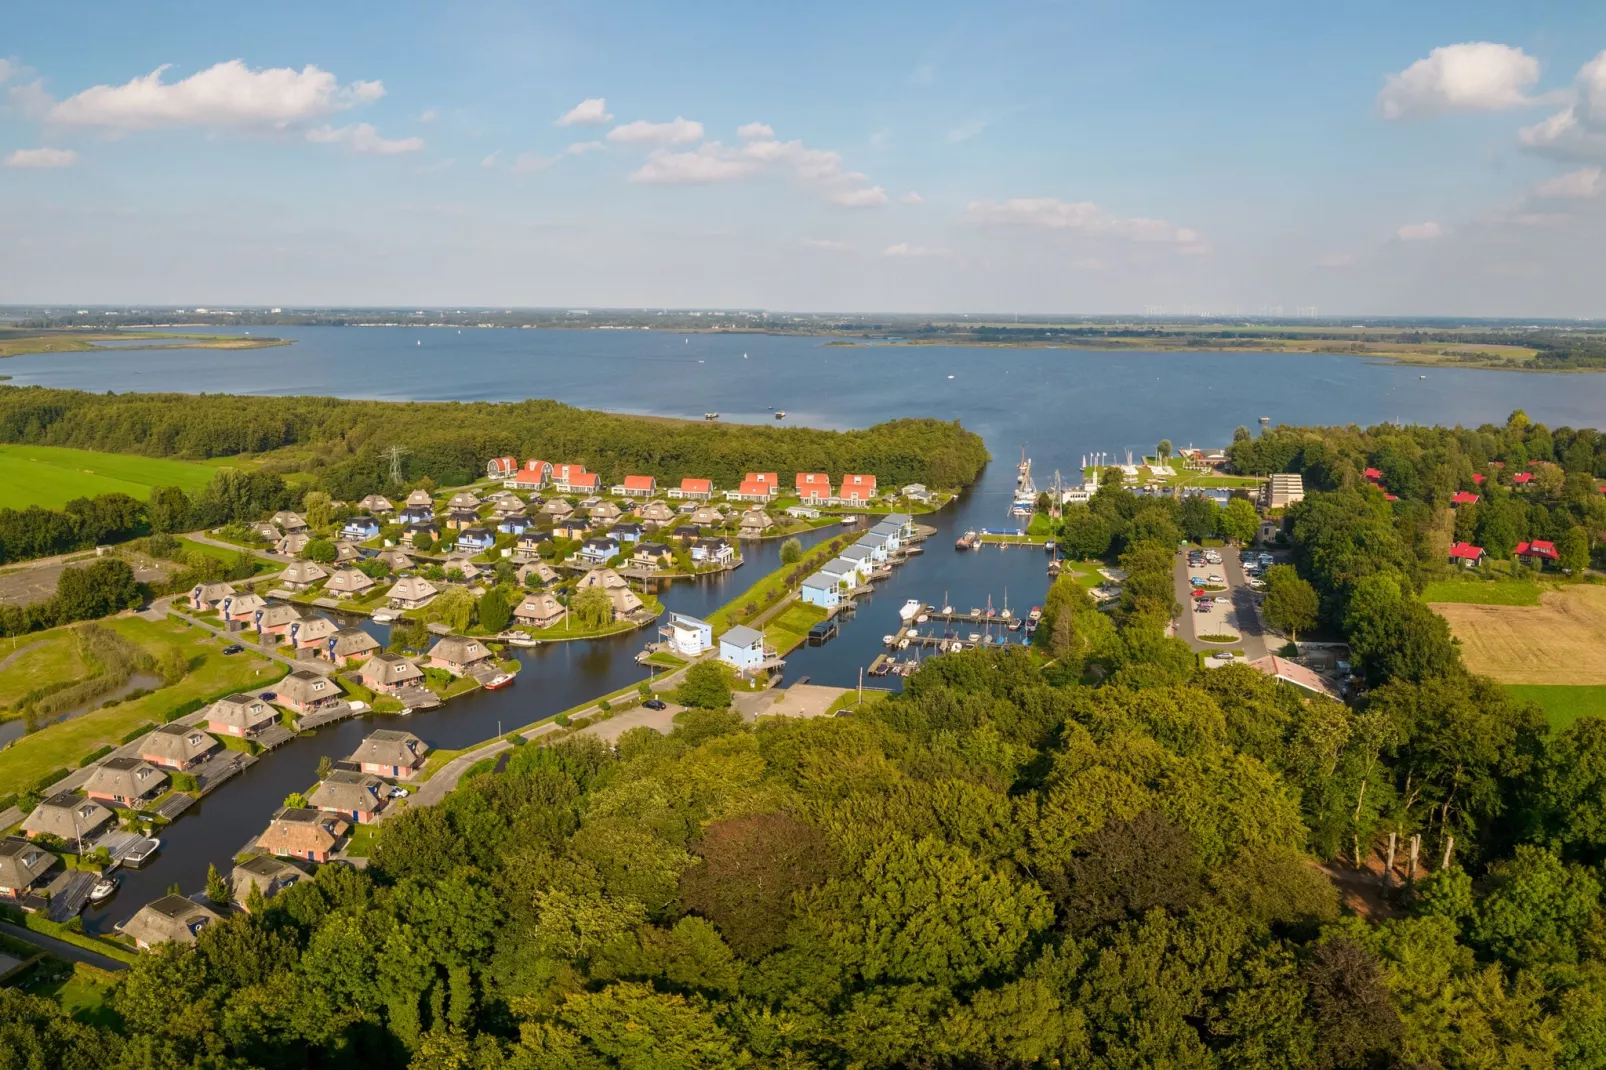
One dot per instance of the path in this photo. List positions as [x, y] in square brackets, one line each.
[266, 555]
[61, 949]
[5, 662]
[323, 668]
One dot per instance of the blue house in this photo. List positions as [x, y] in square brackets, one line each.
[743, 648]
[626, 532]
[821, 590]
[517, 524]
[893, 533]
[359, 528]
[415, 514]
[476, 539]
[599, 550]
[876, 544]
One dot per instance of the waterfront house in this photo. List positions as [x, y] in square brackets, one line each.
[687, 636]
[574, 479]
[411, 592]
[390, 753]
[311, 633]
[240, 716]
[241, 607]
[599, 550]
[877, 543]
[846, 572]
[686, 532]
[205, 596]
[289, 521]
[574, 527]
[348, 583]
[302, 832]
[627, 531]
[360, 528]
[904, 522]
[816, 494]
[417, 532]
[856, 489]
[129, 781]
[395, 560]
[347, 552]
[477, 540]
[66, 816]
[277, 619]
[743, 648]
[753, 524]
[557, 508]
[390, 673]
[528, 546]
[625, 601]
[461, 519]
[176, 746]
[699, 490]
[862, 556]
[532, 476]
[264, 873]
[712, 552]
[302, 575]
[376, 503]
[357, 797]
[1537, 552]
[657, 514]
[802, 512]
[539, 610]
[653, 555]
[821, 590]
[637, 487]
[292, 545]
[414, 514]
[605, 578]
[537, 574]
[916, 492]
[21, 865]
[304, 691]
[457, 655]
[893, 533]
[349, 645]
[515, 524]
[171, 919]
[1463, 497]
[501, 467]
[420, 499]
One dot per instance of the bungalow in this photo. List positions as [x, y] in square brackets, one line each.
[637, 487]
[264, 874]
[129, 781]
[802, 512]
[857, 489]
[529, 545]
[652, 555]
[390, 753]
[1463, 497]
[686, 532]
[1464, 553]
[625, 601]
[604, 511]
[687, 636]
[266, 532]
[356, 796]
[376, 503]
[1522, 479]
[904, 522]
[240, 716]
[395, 560]
[756, 487]
[557, 508]
[21, 865]
[414, 514]
[476, 539]
[461, 519]
[346, 552]
[821, 590]
[349, 645]
[176, 746]
[537, 574]
[302, 832]
[301, 575]
[575, 527]
[278, 619]
[289, 521]
[463, 565]
[743, 648]
[390, 673]
[420, 499]
[626, 532]
[893, 533]
[916, 492]
[599, 550]
[687, 508]
[464, 499]
[712, 552]
[862, 556]
[304, 691]
[292, 545]
[458, 655]
[411, 592]
[533, 476]
[657, 514]
[209, 595]
[699, 490]
[753, 524]
[1538, 551]
[707, 516]
[538, 610]
[66, 816]
[415, 533]
[574, 479]
[1372, 475]
[1291, 672]
[171, 919]
[515, 524]
[878, 545]
[348, 583]
[241, 607]
[360, 528]
[311, 633]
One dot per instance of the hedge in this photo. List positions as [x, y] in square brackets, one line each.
[8, 801]
[96, 755]
[140, 731]
[183, 708]
[50, 778]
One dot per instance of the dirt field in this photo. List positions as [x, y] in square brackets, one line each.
[29, 582]
[1562, 640]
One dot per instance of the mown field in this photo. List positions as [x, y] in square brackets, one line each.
[1560, 640]
[1480, 593]
[1563, 704]
[51, 476]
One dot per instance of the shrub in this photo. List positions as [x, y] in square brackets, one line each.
[50, 778]
[516, 739]
[605, 706]
[562, 720]
[183, 781]
[93, 756]
[182, 709]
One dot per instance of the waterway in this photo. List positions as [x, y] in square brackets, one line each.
[1057, 404]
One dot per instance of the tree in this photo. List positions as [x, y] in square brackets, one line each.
[1572, 550]
[791, 551]
[423, 542]
[217, 887]
[316, 506]
[591, 608]
[706, 684]
[749, 868]
[494, 613]
[1239, 521]
[1291, 604]
[1163, 450]
[295, 801]
[453, 607]
[1198, 515]
[319, 550]
[172, 665]
[97, 589]
[168, 510]
[326, 766]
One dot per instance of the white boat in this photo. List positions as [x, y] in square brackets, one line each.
[889, 639]
[903, 644]
[910, 608]
[103, 889]
[947, 610]
[142, 852]
[383, 616]
[975, 637]
[922, 619]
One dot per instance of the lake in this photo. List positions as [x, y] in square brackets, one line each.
[1058, 405]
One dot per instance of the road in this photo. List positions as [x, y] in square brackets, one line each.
[62, 949]
[266, 555]
[1236, 614]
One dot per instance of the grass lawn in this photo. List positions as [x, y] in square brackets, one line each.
[769, 588]
[361, 843]
[665, 661]
[226, 555]
[61, 745]
[51, 476]
[1563, 704]
[1484, 593]
[788, 630]
[44, 658]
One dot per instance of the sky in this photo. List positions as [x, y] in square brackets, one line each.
[1117, 157]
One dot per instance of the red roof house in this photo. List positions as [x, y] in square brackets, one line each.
[1372, 475]
[1390, 497]
[534, 474]
[857, 488]
[1463, 497]
[1478, 478]
[758, 487]
[814, 486]
[1523, 477]
[698, 489]
[574, 479]
[640, 486]
[1466, 553]
[501, 467]
[1545, 551]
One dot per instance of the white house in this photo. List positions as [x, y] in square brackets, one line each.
[821, 589]
[688, 636]
[743, 648]
[893, 533]
[876, 544]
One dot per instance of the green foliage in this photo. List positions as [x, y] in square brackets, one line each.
[707, 685]
[791, 551]
[1239, 521]
[493, 611]
[591, 608]
[320, 550]
[217, 887]
[1291, 604]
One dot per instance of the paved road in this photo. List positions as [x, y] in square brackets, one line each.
[62, 949]
[1236, 614]
[266, 555]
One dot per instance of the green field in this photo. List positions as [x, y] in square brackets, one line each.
[51, 476]
[791, 626]
[1480, 593]
[32, 661]
[1563, 703]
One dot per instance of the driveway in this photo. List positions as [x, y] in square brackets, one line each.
[61, 949]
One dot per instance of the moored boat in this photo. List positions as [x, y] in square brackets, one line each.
[499, 681]
[103, 889]
[142, 852]
[909, 610]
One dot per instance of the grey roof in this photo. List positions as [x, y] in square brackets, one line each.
[389, 746]
[388, 669]
[456, 649]
[820, 582]
[244, 711]
[177, 742]
[21, 862]
[884, 528]
[857, 553]
[742, 636]
[128, 778]
[345, 791]
[171, 918]
[875, 539]
[302, 686]
[66, 815]
[272, 875]
[900, 519]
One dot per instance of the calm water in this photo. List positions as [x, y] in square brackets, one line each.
[1057, 404]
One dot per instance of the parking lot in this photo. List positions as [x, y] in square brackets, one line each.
[1232, 609]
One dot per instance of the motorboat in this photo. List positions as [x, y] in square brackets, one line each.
[1014, 624]
[383, 616]
[499, 681]
[1035, 614]
[710, 415]
[889, 639]
[104, 889]
[947, 611]
[910, 609]
[143, 851]
[922, 619]
[780, 414]
[516, 639]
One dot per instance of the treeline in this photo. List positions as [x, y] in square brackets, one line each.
[84, 592]
[1115, 519]
[344, 442]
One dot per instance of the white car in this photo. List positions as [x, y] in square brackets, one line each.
[1214, 577]
[1212, 557]
[398, 792]
[1222, 655]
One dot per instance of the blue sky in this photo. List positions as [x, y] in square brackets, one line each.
[1430, 158]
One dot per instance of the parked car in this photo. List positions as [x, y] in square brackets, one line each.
[1266, 560]
[1197, 581]
[654, 704]
[268, 696]
[233, 648]
[1222, 655]
[398, 792]
[1212, 557]
[1215, 578]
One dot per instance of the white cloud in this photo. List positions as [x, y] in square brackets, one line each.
[42, 159]
[904, 249]
[1578, 131]
[1050, 213]
[1476, 76]
[363, 138]
[676, 132]
[580, 148]
[709, 162]
[591, 111]
[491, 159]
[752, 130]
[429, 115]
[828, 244]
[965, 130]
[1585, 182]
[1420, 231]
[227, 94]
[530, 162]
[7, 69]
[866, 197]
[911, 198]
